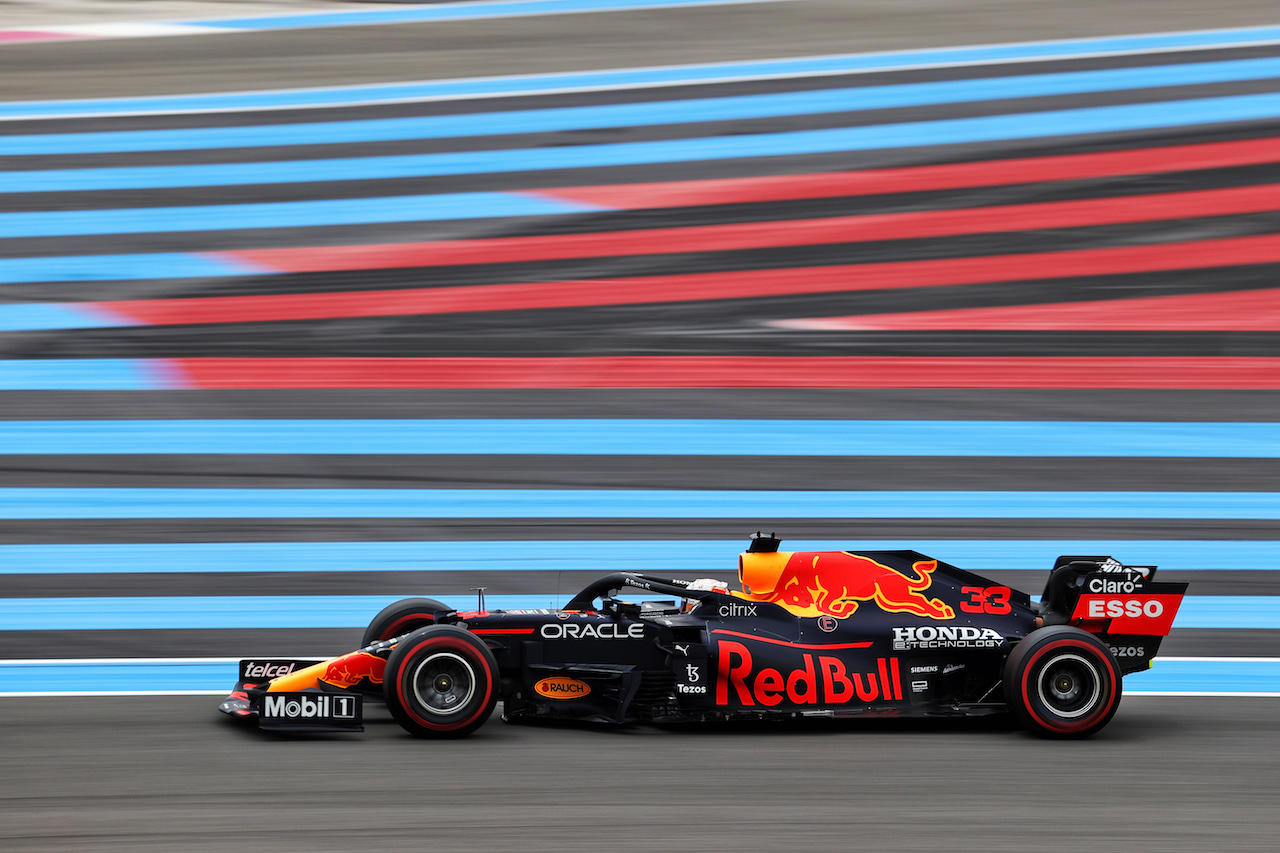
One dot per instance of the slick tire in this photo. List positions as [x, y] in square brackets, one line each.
[441, 682]
[1062, 682]
[401, 617]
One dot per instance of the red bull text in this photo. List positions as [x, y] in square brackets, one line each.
[819, 680]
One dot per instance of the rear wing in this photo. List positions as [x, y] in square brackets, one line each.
[1122, 604]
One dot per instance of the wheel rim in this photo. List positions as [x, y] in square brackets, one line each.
[444, 683]
[1070, 686]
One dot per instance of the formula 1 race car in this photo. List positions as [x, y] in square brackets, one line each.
[834, 633]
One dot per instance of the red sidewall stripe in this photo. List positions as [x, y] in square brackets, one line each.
[392, 630]
[476, 658]
[1084, 723]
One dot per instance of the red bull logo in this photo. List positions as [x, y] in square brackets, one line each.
[348, 670]
[824, 681]
[834, 583]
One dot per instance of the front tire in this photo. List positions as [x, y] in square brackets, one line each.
[441, 681]
[402, 617]
[1062, 682]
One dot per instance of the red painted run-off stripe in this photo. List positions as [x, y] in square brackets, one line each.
[756, 235]
[731, 372]
[1234, 311]
[701, 286]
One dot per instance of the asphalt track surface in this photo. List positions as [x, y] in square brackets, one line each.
[577, 42]
[160, 774]
[115, 773]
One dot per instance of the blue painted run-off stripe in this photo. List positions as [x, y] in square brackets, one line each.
[89, 374]
[692, 437]
[1207, 676]
[285, 214]
[72, 503]
[709, 558]
[218, 676]
[642, 77]
[1126, 117]
[563, 119]
[175, 676]
[160, 265]
[36, 316]
[355, 611]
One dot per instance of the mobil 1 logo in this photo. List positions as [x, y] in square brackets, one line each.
[311, 711]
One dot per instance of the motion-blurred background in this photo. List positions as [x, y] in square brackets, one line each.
[308, 306]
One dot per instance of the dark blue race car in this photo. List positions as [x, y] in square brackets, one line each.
[835, 633]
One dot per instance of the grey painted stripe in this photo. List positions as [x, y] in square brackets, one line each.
[35, 532]
[452, 503]
[781, 404]
[440, 561]
[634, 472]
[501, 582]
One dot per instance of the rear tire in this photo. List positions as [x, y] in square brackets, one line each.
[441, 681]
[1062, 682]
[400, 618]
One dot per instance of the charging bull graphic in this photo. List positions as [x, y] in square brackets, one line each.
[344, 672]
[348, 670]
[834, 583]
